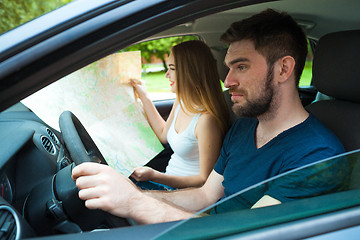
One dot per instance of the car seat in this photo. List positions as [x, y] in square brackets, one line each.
[336, 73]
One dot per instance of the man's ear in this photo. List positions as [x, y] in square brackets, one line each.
[286, 66]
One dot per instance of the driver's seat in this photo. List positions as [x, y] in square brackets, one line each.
[336, 73]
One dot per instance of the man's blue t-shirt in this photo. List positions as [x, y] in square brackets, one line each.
[243, 165]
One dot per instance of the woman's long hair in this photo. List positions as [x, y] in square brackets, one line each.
[198, 84]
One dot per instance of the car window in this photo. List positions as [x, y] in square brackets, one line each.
[15, 13]
[306, 76]
[327, 185]
[154, 55]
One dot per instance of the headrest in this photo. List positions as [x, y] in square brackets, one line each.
[336, 65]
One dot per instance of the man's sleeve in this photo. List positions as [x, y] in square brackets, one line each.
[321, 178]
[309, 154]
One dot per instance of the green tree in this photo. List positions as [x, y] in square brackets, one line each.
[159, 48]
[16, 12]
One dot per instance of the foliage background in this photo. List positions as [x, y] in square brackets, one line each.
[17, 12]
[159, 48]
[155, 80]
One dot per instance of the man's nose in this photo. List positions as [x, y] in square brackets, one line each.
[230, 80]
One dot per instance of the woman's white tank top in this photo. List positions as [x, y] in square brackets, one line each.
[185, 159]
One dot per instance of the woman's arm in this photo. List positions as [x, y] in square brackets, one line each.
[209, 142]
[157, 123]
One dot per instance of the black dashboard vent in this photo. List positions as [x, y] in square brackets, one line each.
[8, 224]
[52, 136]
[48, 145]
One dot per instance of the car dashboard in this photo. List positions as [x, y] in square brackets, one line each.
[31, 152]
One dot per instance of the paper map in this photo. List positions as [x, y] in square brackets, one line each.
[100, 97]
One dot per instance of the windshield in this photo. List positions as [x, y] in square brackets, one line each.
[307, 192]
[101, 97]
[15, 13]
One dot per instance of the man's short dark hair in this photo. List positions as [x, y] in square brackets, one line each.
[274, 35]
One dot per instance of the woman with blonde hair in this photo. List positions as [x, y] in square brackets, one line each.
[197, 122]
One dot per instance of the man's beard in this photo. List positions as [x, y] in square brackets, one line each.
[256, 107]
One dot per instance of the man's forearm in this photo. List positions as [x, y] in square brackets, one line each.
[156, 211]
[189, 199]
[160, 206]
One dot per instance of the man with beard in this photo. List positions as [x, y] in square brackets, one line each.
[275, 133]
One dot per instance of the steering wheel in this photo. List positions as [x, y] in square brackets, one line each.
[77, 140]
[54, 205]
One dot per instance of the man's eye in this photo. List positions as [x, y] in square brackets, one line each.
[241, 67]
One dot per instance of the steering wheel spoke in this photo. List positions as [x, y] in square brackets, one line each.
[77, 140]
